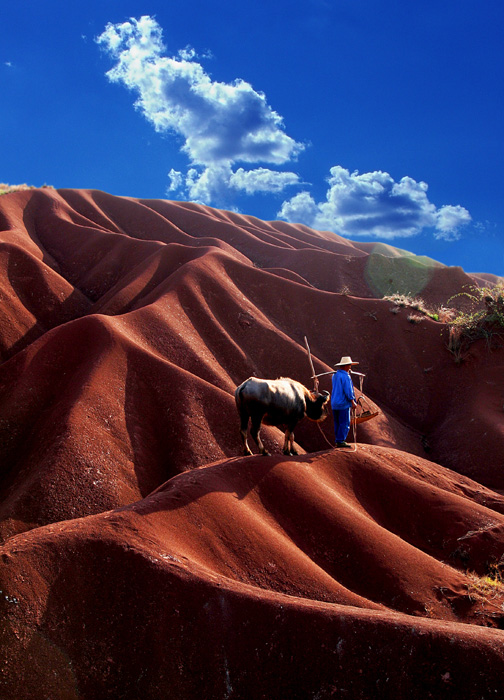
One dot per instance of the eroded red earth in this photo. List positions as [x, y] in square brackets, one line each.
[143, 557]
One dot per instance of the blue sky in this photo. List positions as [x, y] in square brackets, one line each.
[378, 120]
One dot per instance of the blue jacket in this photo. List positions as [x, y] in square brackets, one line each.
[342, 390]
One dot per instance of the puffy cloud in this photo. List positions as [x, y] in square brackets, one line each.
[220, 123]
[210, 185]
[217, 181]
[302, 209]
[449, 220]
[223, 125]
[262, 180]
[176, 180]
[374, 205]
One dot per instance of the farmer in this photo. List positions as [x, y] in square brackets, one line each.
[342, 400]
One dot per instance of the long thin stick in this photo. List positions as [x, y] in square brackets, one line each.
[314, 376]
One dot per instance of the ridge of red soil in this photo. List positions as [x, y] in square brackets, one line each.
[143, 557]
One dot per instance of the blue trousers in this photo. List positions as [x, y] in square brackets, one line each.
[341, 418]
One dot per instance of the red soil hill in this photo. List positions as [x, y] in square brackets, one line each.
[141, 557]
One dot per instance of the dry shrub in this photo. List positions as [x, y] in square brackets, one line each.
[485, 320]
[446, 314]
[415, 318]
[416, 303]
[455, 343]
[488, 588]
[7, 189]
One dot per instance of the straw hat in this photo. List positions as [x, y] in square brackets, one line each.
[346, 361]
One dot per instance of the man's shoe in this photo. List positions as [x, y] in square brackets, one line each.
[342, 444]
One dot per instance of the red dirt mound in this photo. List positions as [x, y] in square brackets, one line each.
[142, 557]
[329, 574]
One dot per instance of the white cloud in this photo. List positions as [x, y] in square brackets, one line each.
[176, 180]
[187, 54]
[449, 220]
[262, 180]
[224, 126]
[301, 209]
[212, 184]
[216, 182]
[221, 124]
[373, 205]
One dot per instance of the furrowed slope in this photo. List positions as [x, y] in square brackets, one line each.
[263, 577]
[141, 556]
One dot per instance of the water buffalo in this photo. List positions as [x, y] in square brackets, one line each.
[279, 402]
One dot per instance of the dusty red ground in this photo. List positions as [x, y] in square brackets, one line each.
[142, 557]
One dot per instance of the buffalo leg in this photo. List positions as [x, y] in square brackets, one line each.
[286, 450]
[255, 432]
[288, 447]
[244, 419]
[293, 450]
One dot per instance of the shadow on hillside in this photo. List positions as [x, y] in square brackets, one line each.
[32, 289]
[236, 475]
[70, 308]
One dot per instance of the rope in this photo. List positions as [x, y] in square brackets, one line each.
[324, 436]
[354, 433]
